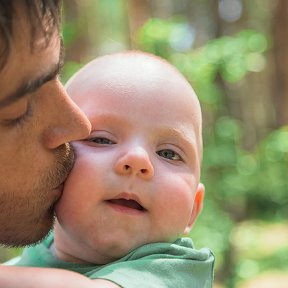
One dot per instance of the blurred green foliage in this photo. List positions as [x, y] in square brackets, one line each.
[240, 185]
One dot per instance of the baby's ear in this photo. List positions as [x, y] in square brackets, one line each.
[197, 207]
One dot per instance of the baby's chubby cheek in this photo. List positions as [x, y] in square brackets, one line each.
[175, 215]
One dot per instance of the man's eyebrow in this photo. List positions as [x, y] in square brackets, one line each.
[34, 84]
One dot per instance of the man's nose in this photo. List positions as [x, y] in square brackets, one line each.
[135, 162]
[66, 121]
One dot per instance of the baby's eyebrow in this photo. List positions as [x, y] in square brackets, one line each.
[187, 139]
[104, 117]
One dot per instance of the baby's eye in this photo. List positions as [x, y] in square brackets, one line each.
[101, 141]
[169, 154]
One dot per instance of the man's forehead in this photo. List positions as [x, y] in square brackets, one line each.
[36, 65]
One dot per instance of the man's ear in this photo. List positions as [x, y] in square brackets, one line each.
[197, 207]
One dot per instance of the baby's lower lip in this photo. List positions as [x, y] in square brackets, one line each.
[122, 207]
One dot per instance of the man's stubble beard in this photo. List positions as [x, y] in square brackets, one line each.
[65, 155]
[27, 221]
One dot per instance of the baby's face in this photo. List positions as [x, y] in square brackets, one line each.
[136, 176]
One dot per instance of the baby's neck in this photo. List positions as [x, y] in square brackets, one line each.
[59, 254]
[70, 250]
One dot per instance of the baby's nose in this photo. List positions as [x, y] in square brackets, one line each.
[137, 162]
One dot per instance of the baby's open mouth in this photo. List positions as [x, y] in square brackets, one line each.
[132, 204]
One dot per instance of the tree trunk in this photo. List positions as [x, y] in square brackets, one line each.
[280, 40]
[138, 13]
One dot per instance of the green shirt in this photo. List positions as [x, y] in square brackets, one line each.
[158, 265]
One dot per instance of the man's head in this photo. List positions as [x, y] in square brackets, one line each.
[43, 16]
[37, 119]
[136, 177]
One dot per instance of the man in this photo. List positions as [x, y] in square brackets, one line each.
[37, 120]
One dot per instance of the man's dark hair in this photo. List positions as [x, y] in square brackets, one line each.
[44, 17]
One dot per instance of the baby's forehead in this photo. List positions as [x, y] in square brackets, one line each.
[132, 74]
[136, 75]
[128, 66]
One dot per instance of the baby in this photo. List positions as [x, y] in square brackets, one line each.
[134, 189]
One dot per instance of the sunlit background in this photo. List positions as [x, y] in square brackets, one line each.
[235, 54]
